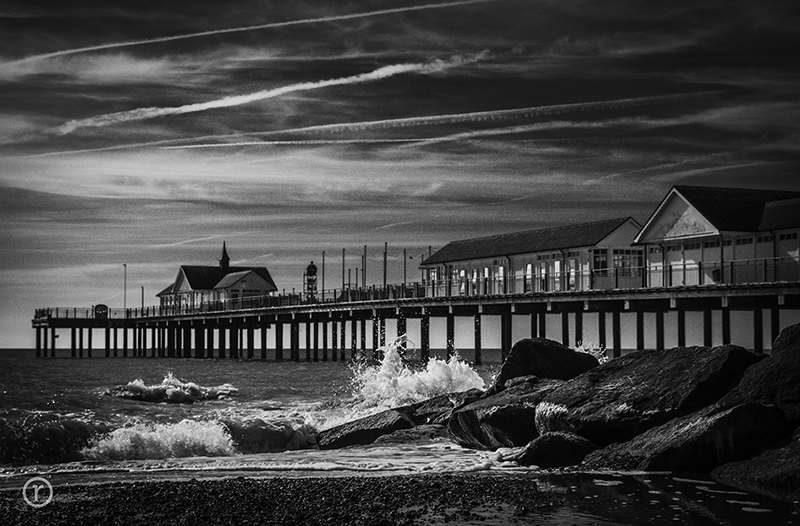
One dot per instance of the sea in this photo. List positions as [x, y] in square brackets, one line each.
[96, 420]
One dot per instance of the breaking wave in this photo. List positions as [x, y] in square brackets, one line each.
[171, 390]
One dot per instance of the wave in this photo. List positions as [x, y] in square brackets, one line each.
[171, 390]
[39, 438]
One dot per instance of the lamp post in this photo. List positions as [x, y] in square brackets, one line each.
[125, 289]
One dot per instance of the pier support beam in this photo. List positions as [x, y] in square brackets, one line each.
[640, 331]
[565, 329]
[53, 342]
[401, 324]
[451, 334]
[758, 330]
[681, 328]
[616, 334]
[505, 334]
[425, 338]
[294, 340]
[89, 342]
[343, 341]
[38, 342]
[775, 324]
[660, 330]
[278, 341]
[187, 340]
[707, 328]
[108, 342]
[364, 337]
[251, 344]
[542, 325]
[601, 330]
[221, 329]
[316, 341]
[477, 331]
[233, 330]
[534, 325]
[199, 340]
[353, 338]
[334, 340]
[124, 340]
[726, 326]
[325, 325]
[578, 328]
[264, 329]
[73, 344]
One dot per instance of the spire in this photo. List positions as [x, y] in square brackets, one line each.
[224, 260]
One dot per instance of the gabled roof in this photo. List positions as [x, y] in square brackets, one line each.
[779, 215]
[545, 239]
[209, 278]
[735, 209]
[231, 278]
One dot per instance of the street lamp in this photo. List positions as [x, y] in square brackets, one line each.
[125, 289]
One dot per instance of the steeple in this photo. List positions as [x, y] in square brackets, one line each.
[224, 260]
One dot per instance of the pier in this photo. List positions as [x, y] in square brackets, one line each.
[343, 324]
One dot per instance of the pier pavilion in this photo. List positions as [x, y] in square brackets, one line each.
[619, 292]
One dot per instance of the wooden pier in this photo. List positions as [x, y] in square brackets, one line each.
[289, 328]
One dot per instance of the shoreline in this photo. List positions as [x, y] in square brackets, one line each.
[557, 498]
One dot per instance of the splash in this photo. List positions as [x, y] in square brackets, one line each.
[171, 390]
[142, 441]
[400, 379]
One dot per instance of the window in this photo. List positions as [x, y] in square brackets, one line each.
[711, 244]
[655, 250]
[627, 261]
[788, 236]
[764, 239]
[744, 241]
[727, 243]
[691, 246]
[673, 248]
[600, 260]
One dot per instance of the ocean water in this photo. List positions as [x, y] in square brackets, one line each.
[125, 419]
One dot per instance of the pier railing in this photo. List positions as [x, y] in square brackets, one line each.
[658, 276]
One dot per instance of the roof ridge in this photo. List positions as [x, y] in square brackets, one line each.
[567, 225]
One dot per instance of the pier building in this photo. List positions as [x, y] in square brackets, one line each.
[710, 266]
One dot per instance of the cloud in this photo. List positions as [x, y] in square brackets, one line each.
[378, 74]
[334, 18]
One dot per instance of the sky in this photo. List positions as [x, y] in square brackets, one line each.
[138, 136]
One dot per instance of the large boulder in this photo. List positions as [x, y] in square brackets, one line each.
[505, 419]
[775, 472]
[437, 410]
[698, 442]
[364, 430]
[542, 358]
[774, 380]
[787, 340]
[629, 395]
[554, 450]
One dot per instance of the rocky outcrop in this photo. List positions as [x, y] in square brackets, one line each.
[542, 358]
[437, 410]
[364, 430]
[697, 442]
[775, 472]
[774, 380]
[629, 395]
[505, 419]
[554, 450]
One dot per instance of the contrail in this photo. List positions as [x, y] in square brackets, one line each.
[227, 102]
[334, 18]
[456, 118]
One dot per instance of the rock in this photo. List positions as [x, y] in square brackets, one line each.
[696, 443]
[424, 433]
[505, 419]
[554, 450]
[787, 340]
[775, 473]
[437, 410]
[629, 395]
[542, 358]
[774, 380]
[364, 430]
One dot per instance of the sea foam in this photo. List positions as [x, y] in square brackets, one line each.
[171, 390]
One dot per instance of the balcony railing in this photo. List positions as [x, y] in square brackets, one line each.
[752, 271]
